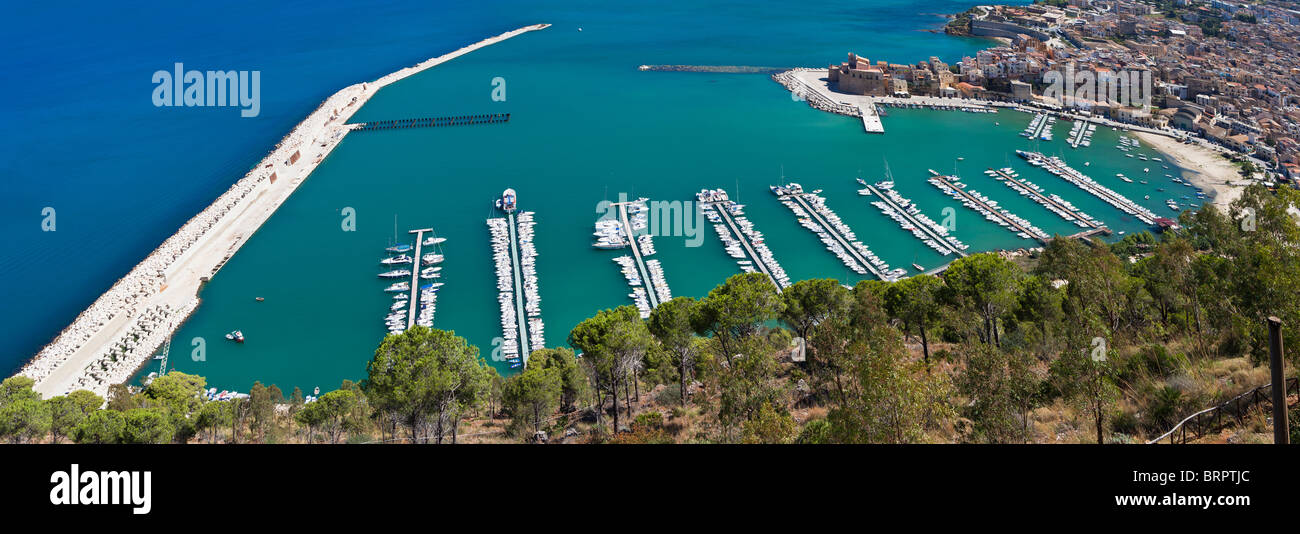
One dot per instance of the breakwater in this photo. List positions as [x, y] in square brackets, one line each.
[119, 332]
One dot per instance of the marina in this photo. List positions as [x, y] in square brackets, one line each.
[741, 240]
[910, 218]
[413, 303]
[839, 239]
[514, 254]
[1040, 127]
[645, 277]
[1081, 133]
[1055, 166]
[953, 187]
[1053, 203]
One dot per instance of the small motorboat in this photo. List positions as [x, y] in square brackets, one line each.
[259, 299]
[236, 336]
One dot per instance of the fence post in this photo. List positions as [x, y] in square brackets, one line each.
[1281, 434]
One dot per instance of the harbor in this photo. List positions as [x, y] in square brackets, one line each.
[741, 240]
[953, 187]
[1081, 133]
[910, 218]
[514, 254]
[109, 341]
[813, 214]
[629, 230]
[1040, 127]
[1053, 203]
[1058, 167]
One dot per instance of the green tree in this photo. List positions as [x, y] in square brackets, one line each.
[179, 396]
[329, 413]
[985, 283]
[24, 417]
[1002, 388]
[144, 425]
[735, 311]
[572, 380]
[914, 301]
[101, 426]
[612, 344]
[425, 378]
[531, 396]
[67, 412]
[671, 325]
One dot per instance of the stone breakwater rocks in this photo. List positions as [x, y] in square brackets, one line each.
[814, 99]
[120, 330]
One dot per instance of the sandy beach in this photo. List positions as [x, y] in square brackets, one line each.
[1203, 167]
[122, 329]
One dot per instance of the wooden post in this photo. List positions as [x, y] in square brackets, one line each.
[1281, 432]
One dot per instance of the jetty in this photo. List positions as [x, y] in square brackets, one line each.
[747, 241]
[871, 118]
[1081, 133]
[1058, 167]
[910, 219]
[415, 276]
[717, 69]
[839, 238]
[109, 341]
[431, 122]
[988, 208]
[627, 230]
[1053, 203]
[1040, 127]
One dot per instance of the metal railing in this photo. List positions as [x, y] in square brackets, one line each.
[1210, 419]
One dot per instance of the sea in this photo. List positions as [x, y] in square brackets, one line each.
[586, 127]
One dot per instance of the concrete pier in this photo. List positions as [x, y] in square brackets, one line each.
[744, 241]
[916, 223]
[1072, 211]
[1013, 225]
[651, 294]
[416, 263]
[798, 198]
[519, 288]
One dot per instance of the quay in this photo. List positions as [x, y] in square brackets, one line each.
[651, 293]
[797, 196]
[415, 276]
[916, 223]
[1081, 133]
[1014, 182]
[519, 289]
[721, 207]
[1012, 221]
[1059, 168]
[431, 122]
[871, 118]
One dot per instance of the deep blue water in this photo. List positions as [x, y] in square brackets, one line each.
[83, 137]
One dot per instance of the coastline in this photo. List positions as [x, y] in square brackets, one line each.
[118, 333]
[1203, 167]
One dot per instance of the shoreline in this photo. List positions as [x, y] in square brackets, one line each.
[1203, 167]
[117, 334]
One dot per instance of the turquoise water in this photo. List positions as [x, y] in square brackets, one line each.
[586, 126]
[581, 132]
[122, 174]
